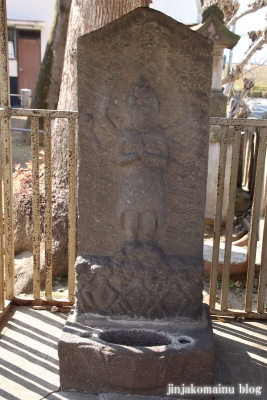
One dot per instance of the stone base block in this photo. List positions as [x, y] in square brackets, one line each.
[136, 357]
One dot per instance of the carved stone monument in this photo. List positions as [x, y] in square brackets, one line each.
[139, 324]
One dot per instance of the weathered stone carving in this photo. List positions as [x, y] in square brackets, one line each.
[142, 163]
[139, 323]
[140, 281]
[133, 106]
[142, 154]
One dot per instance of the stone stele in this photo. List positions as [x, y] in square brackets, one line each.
[144, 96]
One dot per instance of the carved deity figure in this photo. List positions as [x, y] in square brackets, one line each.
[142, 154]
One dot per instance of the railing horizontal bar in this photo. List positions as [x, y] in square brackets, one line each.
[48, 210]
[218, 217]
[255, 220]
[42, 113]
[24, 130]
[41, 302]
[239, 313]
[35, 207]
[230, 219]
[238, 122]
[74, 114]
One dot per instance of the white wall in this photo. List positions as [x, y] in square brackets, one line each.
[13, 68]
[185, 11]
[33, 10]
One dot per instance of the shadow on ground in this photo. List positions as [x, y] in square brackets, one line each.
[29, 361]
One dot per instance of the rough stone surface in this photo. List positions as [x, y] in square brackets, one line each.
[132, 358]
[243, 200]
[238, 263]
[23, 277]
[144, 95]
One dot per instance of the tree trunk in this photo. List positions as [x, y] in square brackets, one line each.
[85, 16]
[48, 82]
[49, 79]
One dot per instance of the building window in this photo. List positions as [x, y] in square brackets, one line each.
[11, 43]
[29, 34]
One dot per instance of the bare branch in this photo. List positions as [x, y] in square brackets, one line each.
[257, 5]
[229, 7]
[239, 108]
[237, 72]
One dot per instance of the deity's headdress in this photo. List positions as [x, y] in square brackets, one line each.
[143, 90]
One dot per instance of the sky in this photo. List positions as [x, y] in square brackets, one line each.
[184, 11]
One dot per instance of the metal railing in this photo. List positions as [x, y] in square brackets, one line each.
[6, 201]
[231, 131]
[240, 125]
[6, 209]
[25, 97]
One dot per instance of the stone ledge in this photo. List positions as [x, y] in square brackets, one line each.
[93, 365]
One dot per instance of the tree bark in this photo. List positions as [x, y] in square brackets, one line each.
[49, 78]
[85, 16]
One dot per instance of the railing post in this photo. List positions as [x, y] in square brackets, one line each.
[4, 67]
[48, 210]
[218, 217]
[25, 98]
[230, 218]
[72, 209]
[6, 155]
[2, 265]
[255, 216]
[35, 207]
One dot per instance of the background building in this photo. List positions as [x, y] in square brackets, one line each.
[29, 24]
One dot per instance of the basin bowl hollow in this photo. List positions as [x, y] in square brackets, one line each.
[135, 338]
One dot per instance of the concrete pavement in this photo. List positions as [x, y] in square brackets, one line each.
[29, 361]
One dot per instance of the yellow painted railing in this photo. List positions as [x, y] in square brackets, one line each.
[7, 234]
[253, 174]
[241, 126]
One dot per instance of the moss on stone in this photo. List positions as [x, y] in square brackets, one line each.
[213, 10]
